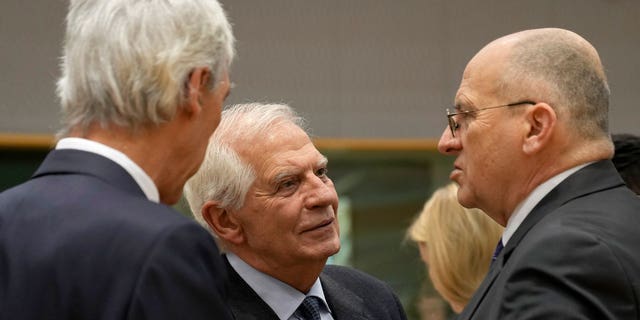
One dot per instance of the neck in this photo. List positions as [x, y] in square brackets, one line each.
[548, 164]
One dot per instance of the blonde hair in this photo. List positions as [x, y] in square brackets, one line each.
[459, 244]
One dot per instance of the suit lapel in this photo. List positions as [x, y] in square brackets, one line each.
[480, 293]
[245, 304]
[69, 161]
[593, 178]
[344, 304]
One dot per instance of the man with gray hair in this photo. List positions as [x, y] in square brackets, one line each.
[263, 190]
[90, 236]
[530, 135]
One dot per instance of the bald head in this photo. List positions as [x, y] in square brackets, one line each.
[553, 100]
[560, 68]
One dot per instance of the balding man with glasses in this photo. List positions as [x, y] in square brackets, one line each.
[532, 149]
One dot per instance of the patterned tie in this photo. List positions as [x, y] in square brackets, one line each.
[499, 248]
[309, 309]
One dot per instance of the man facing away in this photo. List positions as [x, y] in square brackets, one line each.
[90, 236]
[530, 136]
[263, 190]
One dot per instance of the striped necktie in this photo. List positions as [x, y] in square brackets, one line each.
[309, 309]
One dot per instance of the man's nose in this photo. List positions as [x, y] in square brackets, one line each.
[322, 193]
[448, 144]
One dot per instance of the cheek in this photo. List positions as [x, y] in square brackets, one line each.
[276, 219]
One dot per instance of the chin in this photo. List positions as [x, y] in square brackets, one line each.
[335, 250]
[466, 200]
[329, 249]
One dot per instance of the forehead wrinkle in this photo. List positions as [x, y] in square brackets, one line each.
[463, 102]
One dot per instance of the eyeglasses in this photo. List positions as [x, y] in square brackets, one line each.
[453, 125]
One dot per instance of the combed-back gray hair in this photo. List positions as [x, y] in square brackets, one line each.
[224, 176]
[126, 62]
[561, 67]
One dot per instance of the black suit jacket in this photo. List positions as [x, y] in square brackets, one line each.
[575, 256]
[81, 241]
[351, 295]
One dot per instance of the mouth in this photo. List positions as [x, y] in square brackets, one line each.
[455, 172]
[324, 223]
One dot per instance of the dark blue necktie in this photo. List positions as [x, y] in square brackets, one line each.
[309, 309]
[499, 248]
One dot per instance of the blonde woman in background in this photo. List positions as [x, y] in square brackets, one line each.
[456, 244]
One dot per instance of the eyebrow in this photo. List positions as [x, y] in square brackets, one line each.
[282, 175]
[322, 162]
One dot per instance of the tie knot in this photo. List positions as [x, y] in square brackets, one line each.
[309, 309]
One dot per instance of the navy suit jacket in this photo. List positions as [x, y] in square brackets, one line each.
[351, 295]
[575, 256]
[81, 241]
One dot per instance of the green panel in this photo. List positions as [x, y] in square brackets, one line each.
[17, 166]
[384, 191]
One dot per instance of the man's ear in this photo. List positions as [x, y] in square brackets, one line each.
[197, 83]
[222, 223]
[541, 123]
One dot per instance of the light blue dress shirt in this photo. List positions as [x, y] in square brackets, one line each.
[281, 297]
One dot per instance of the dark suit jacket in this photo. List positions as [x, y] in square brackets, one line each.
[351, 295]
[576, 256]
[81, 241]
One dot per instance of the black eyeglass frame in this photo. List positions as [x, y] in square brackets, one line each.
[453, 125]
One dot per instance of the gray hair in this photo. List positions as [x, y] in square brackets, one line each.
[563, 68]
[126, 62]
[224, 176]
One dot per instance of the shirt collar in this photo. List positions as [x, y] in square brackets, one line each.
[141, 178]
[524, 208]
[281, 297]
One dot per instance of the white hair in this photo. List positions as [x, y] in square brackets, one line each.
[224, 176]
[126, 62]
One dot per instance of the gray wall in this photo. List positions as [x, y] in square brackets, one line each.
[354, 68]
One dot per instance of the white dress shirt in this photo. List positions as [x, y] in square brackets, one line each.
[142, 179]
[281, 297]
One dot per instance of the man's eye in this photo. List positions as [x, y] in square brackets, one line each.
[322, 172]
[464, 117]
[465, 114]
[287, 184]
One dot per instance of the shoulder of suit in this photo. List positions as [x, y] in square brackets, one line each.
[351, 276]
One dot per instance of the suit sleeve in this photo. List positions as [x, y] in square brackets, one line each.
[350, 291]
[183, 278]
[400, 314]
[566, 274]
